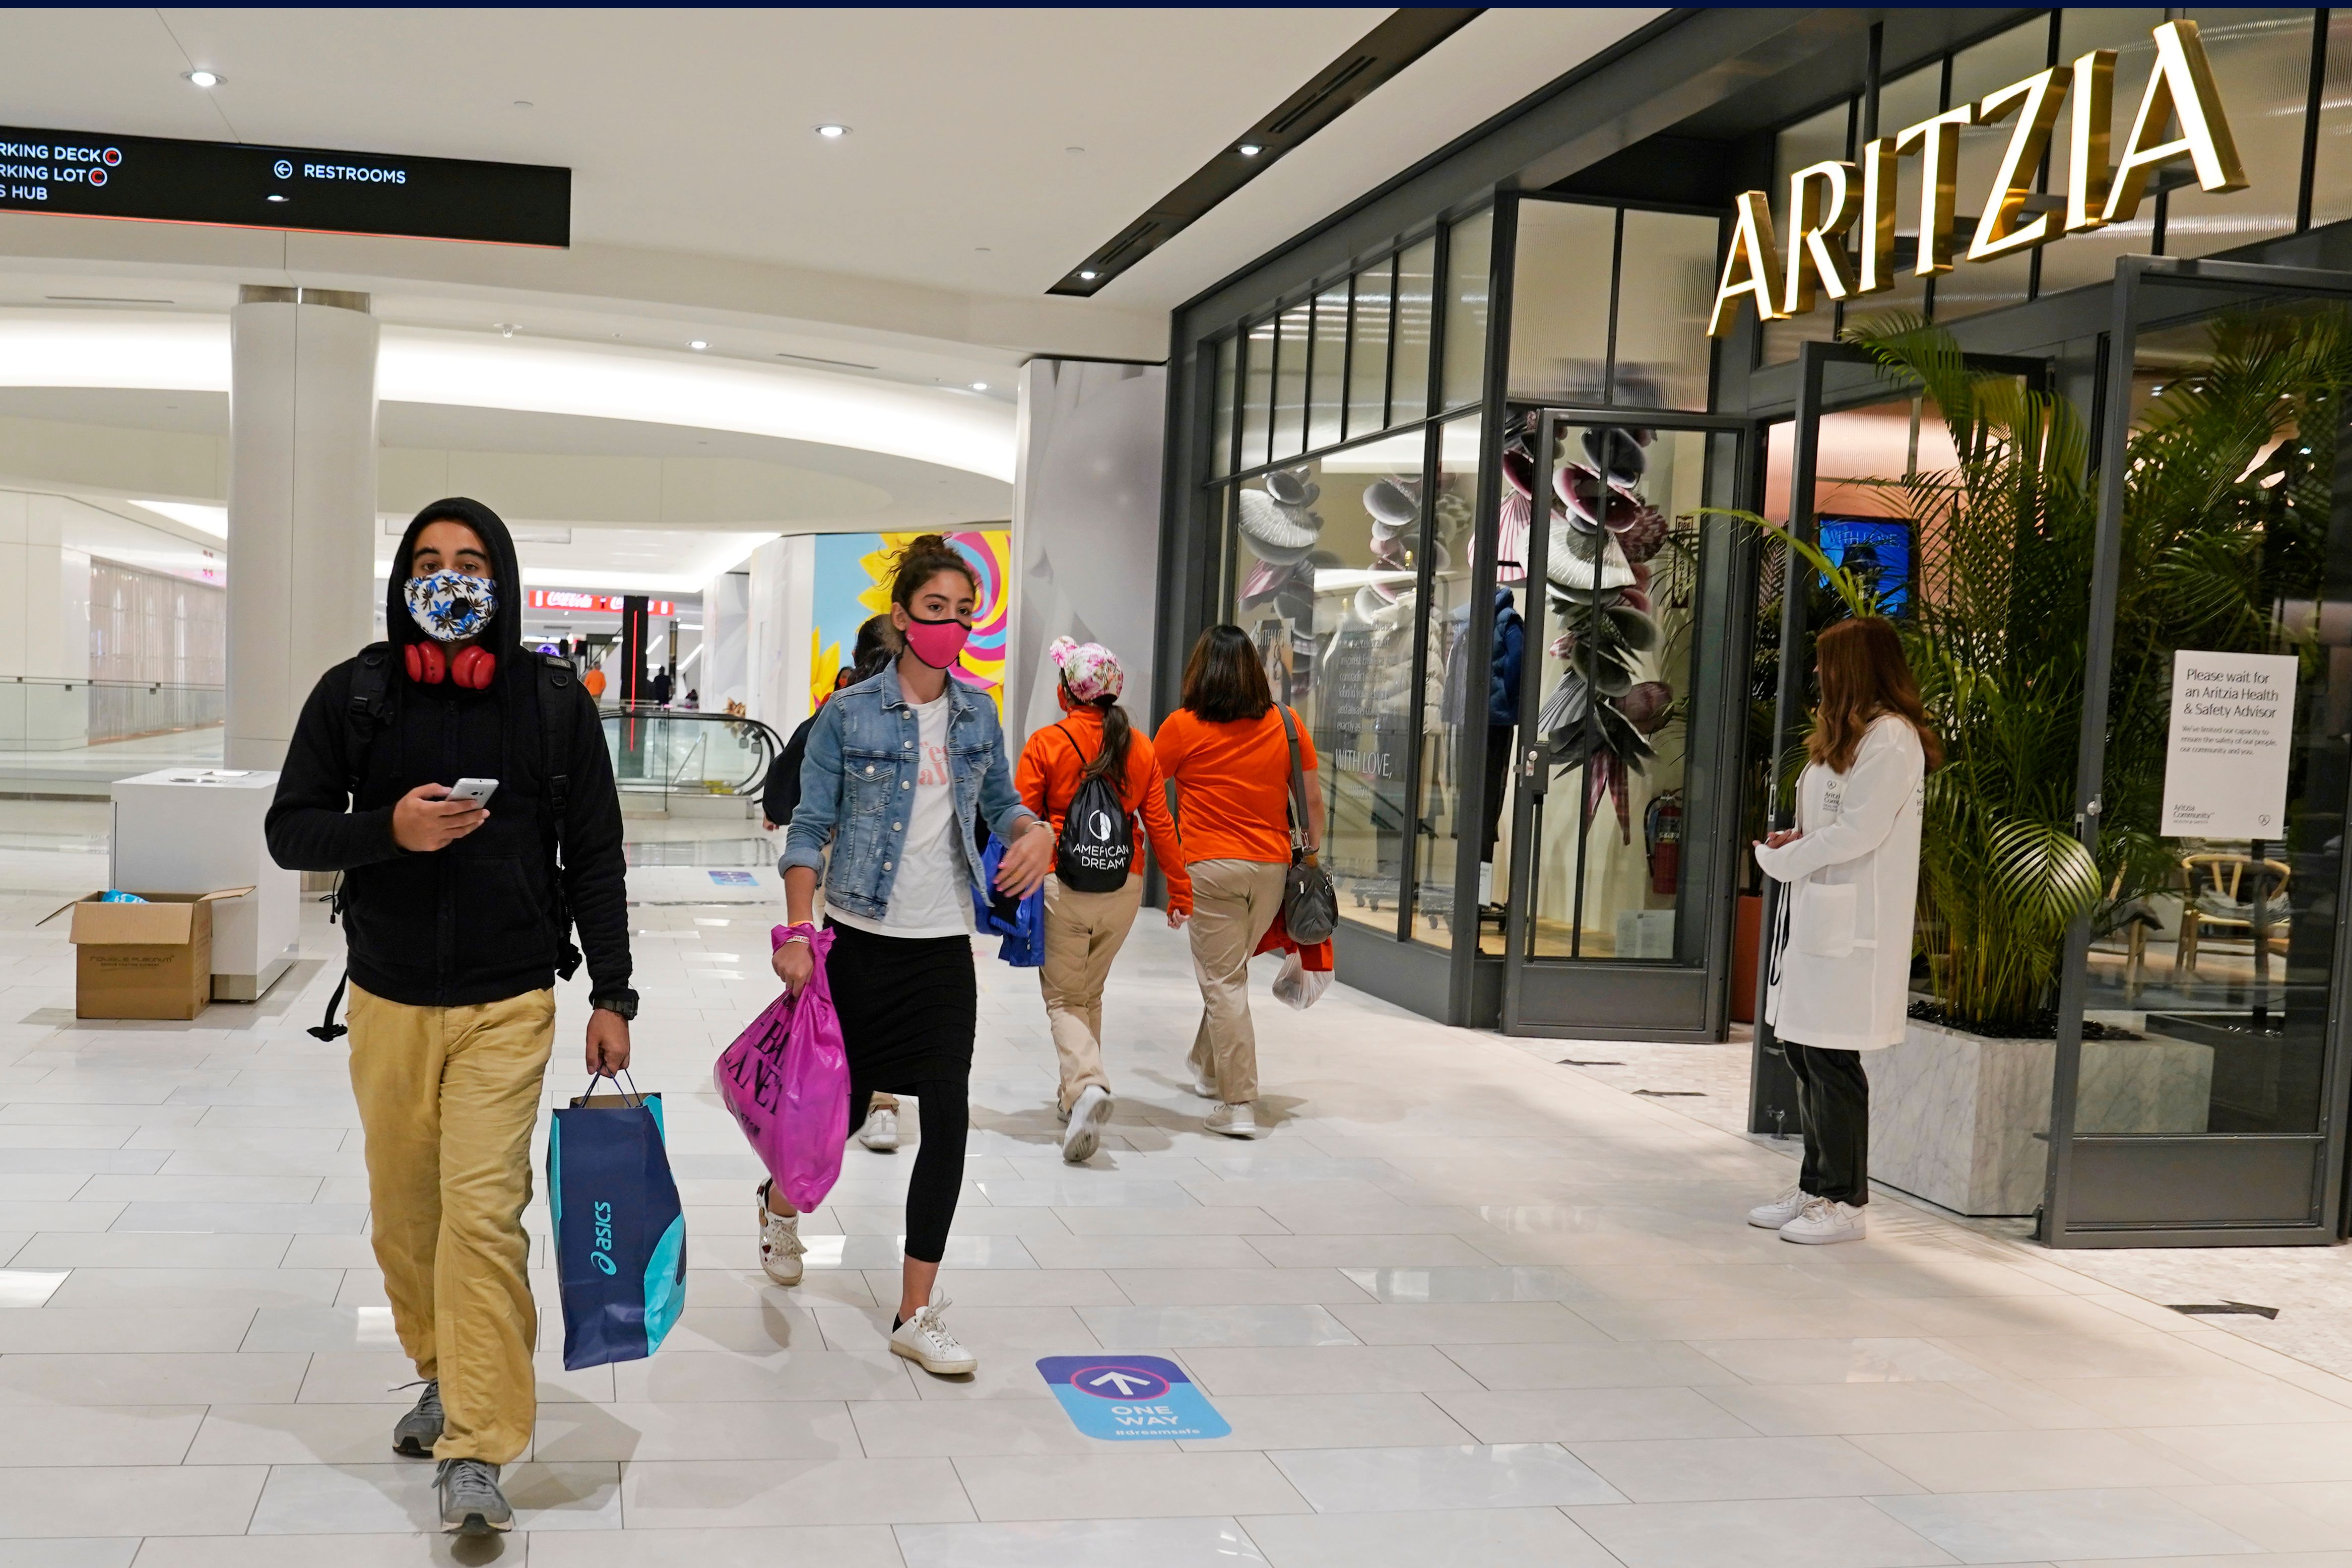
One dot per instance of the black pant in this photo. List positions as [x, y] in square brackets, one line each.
[1498, 777]
[1833, 1109]
[937, 1181]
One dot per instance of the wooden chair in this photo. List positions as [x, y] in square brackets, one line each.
[2226, 875]
[2135, 927]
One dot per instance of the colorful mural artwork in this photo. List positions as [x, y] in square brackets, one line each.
[853, 582]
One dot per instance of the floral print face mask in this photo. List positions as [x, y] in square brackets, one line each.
[450, 606]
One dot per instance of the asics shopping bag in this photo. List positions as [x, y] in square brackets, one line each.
[620, 1236]
[786, 1082]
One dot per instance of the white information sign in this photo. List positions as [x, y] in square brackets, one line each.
[2232, 728]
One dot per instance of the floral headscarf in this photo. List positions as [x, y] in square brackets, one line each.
[1090, 671]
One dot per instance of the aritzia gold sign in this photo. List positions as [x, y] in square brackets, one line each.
[1828, 199]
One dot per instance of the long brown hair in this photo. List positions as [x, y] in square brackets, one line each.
[924, 557]
[1864, 676]
[1223, 679]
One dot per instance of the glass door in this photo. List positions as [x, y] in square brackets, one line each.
[1868, 474]
[1618, 578]
[2199, 1091]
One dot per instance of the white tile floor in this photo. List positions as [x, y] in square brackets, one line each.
[1463, 1306]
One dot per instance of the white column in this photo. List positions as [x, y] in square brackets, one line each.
[301, 505]
[726, 639]
[1086, 527]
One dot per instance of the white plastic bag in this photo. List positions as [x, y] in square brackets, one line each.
[1299, 986]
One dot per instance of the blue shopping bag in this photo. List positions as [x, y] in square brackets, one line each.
[620, 1234]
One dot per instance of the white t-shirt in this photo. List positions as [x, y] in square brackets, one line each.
[930, 892]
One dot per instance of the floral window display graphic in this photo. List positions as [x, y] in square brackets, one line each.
[853, 582]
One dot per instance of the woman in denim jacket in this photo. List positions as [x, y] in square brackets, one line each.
[899, 770]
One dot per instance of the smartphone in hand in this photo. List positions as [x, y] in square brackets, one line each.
[479, 791]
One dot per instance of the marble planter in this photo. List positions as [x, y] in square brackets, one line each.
[1963, 1121]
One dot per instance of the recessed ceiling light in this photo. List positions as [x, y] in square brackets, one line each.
[980, 386]
[1085, 277]
[833, 132]
[203, 78]
[275, 197]
[1249, 149]
[698, 344]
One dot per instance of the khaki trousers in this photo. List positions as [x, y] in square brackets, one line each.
[447, 1099]
[1083, 933]
[1234, 906]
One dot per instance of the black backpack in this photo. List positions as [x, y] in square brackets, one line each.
[1096, 848]
[370, 710]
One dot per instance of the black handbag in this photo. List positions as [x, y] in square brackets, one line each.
[1311, 907]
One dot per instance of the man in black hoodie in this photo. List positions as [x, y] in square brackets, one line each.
[454, 915]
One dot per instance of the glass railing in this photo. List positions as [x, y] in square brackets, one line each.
[52, 712]
[677, 751]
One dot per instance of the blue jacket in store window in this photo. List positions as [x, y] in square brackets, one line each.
[1510, 651]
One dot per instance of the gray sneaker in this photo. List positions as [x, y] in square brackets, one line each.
[471, 1503]
[416, 1432]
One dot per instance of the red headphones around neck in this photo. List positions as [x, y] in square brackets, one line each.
[473, 667]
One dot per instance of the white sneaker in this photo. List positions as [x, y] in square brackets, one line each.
[1780, 1210]
[779, 1242]
[1203, 1085]
[1825, 1220]
[880, 1132]
[1087, 1117]
[1235, 1121]
[924, 1339]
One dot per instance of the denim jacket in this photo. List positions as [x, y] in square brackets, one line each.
[857, 788]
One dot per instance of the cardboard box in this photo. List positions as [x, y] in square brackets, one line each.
[144, 961]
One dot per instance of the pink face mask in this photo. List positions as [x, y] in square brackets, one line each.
[937, 643]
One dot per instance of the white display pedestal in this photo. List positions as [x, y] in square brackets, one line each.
[194, 830]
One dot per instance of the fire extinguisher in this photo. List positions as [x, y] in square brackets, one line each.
[1661, 825]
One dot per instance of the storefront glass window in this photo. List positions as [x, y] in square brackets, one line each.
[1621, 572]
[1454, 700]
[1367, 350]
[1971, 287]
[1258, 393]
[1220, 421]
[1810, 141]
[1469, 259]
[1290, 381]
[1416, 284]
[2082, 258]
[2262, 66]
[1328, 563]
[1560, 284]
[1665, 285]
[1327, 381]
[2331, 184]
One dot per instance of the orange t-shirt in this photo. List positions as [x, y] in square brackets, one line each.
[1232, 783]
[1056, 759]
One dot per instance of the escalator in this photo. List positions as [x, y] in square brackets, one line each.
[674, 751]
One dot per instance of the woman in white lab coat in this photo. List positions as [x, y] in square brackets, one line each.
[1842, 957]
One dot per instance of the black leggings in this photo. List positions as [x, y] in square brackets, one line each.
[938, 1179]
[1833, 1109]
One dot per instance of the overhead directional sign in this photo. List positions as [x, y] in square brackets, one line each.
[240, 184]
[1131, 1397]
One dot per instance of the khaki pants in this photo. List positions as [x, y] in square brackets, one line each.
[1083, 933]
[1234, 906]
[448, 1097]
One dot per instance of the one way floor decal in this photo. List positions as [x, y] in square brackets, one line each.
[1125, 1397]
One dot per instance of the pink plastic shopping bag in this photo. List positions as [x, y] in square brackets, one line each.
[786, 1080]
